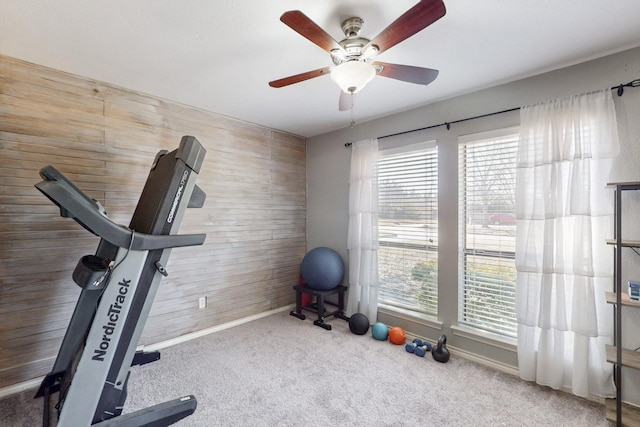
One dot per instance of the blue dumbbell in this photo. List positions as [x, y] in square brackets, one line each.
[412, 346]
[423, 349]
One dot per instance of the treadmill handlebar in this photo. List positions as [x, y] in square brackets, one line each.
[74, 203]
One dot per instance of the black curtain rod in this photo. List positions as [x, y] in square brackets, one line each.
[619, 89]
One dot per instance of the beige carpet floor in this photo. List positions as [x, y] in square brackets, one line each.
[282, 371]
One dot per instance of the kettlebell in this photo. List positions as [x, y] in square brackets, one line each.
[440, 353]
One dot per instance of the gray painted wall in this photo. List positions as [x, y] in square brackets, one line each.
[328, 168]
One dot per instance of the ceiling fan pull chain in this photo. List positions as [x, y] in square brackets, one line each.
[353, 107]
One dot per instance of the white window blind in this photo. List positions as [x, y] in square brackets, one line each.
[408, 228]
[487, 273]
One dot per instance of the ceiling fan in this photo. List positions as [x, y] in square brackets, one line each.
[353, 57]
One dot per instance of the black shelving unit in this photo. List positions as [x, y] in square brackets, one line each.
[621, 413]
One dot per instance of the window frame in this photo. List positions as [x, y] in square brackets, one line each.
[466, 327]
[393, 306]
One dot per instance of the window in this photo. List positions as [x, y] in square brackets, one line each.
[487, 272]
[408, 228]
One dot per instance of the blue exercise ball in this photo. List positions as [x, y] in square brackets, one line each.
[380, 331]
[322, 268]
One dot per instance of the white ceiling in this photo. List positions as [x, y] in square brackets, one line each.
[219, 55]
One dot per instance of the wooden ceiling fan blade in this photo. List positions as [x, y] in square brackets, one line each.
[303, 25]
[300, 77]
[346, 101]
[420, 16]
[407, 73]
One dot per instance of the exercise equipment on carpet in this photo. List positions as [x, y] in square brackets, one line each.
[359, 324]
[397, 335]
[322, 271]
[418, 347]
[306, 298]
[322, 268]
[380, 331]
[119, 283]
[440, 352]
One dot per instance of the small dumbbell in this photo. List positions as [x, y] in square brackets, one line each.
[412, 346]
[423, 349]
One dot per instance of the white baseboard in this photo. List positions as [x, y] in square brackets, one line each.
[213, 329]
[473, 357]
[26, 385]
[20, 387]
[481, 360]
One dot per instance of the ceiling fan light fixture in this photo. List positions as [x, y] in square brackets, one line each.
[370, 51]
[352, 76]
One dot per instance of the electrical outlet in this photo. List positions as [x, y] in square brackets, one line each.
[202, 302]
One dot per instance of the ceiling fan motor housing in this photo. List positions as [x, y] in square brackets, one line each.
[352, 45]
[352, 26]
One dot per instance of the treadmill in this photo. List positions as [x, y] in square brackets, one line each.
[118, 284]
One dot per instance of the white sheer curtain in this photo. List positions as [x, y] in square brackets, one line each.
[564, 267]
[363, 230]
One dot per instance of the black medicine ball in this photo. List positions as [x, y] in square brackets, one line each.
[359, 324]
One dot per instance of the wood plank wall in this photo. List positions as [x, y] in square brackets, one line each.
[104, 138]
